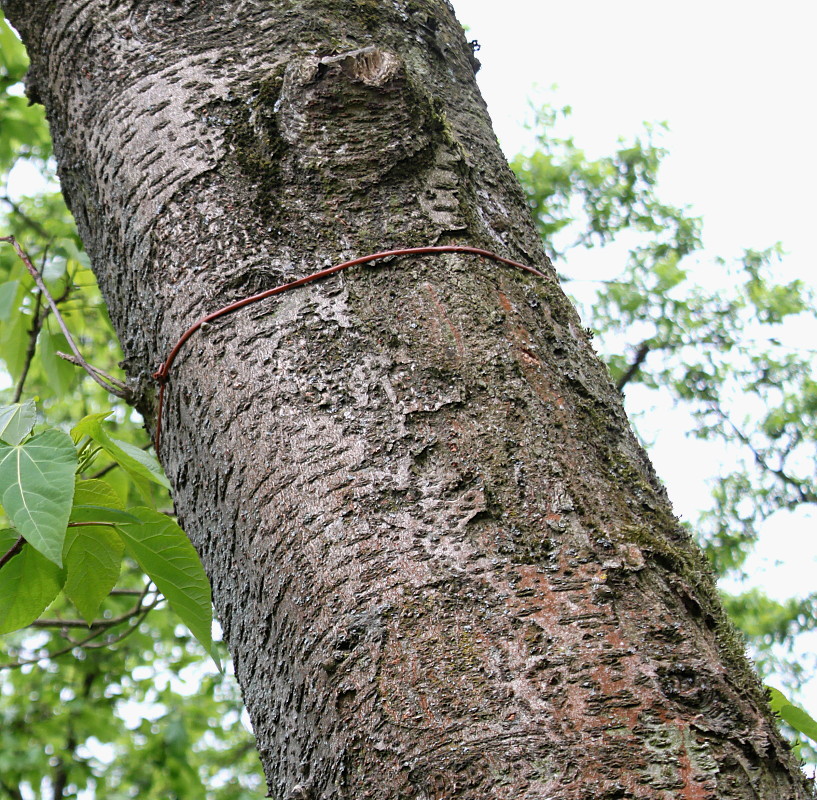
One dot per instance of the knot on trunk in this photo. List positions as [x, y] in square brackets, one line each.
[370, 65]
[354, 118]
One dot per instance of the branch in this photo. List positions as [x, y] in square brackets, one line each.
[60, 779]
[36, 327]
[13, 792]
[13, 550]
[805, 494]
[129, 631]
[139, 612]
[640, 356]
[107, 382]
[92, 370]
[32, 223]
[24, 662]
[97, 623]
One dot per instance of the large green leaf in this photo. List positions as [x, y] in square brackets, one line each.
[13, 56]
[93, 556]
[29, 582]
[164, 552]
[94, 492]
[141, 466]
[9, 299]
[144, 460]
[96, 501]
[16, 421]
[795, 716]
[8, 537]
[37, 489]
[14, 339]
[60, 373]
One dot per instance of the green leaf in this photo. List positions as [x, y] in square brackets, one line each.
[37, 486]
[13, 56]
[96, 501]
[9, 299]
[8, 536]
[16, 421]
[144, 460]
[94, 492]
[141, 466]
[795, 716]
[164, 552]
[29, 582]
[91, 426]
[60, 373]
[93, 556]
[14, 339]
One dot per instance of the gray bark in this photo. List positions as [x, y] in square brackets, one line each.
[443, 565]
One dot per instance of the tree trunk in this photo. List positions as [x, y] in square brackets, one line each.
[442, 563]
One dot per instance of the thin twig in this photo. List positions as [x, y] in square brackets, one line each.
[107, 382]
[104, 471]
[25, 662]
[13, 791]
[97, 623]
[61, 770]
[77, 362]
[640, 356]
[138, 611]
[91, 524]
[128, 631]
[38, 322]
[13, 550]
[32, 223]
[805, 494]
[36, 326]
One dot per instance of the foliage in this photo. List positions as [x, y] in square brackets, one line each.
[716, 350]
[797, 718]
[142, 717]
[79, 527]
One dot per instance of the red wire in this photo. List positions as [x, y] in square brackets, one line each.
[162, 375]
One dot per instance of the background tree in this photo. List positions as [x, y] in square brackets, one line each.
[23, 305]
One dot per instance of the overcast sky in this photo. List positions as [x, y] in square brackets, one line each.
[735, 81]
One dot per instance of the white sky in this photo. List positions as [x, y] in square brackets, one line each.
[736, 83]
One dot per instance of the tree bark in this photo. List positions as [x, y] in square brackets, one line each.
[443, 565]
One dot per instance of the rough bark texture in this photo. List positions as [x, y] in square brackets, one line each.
[443, 565]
